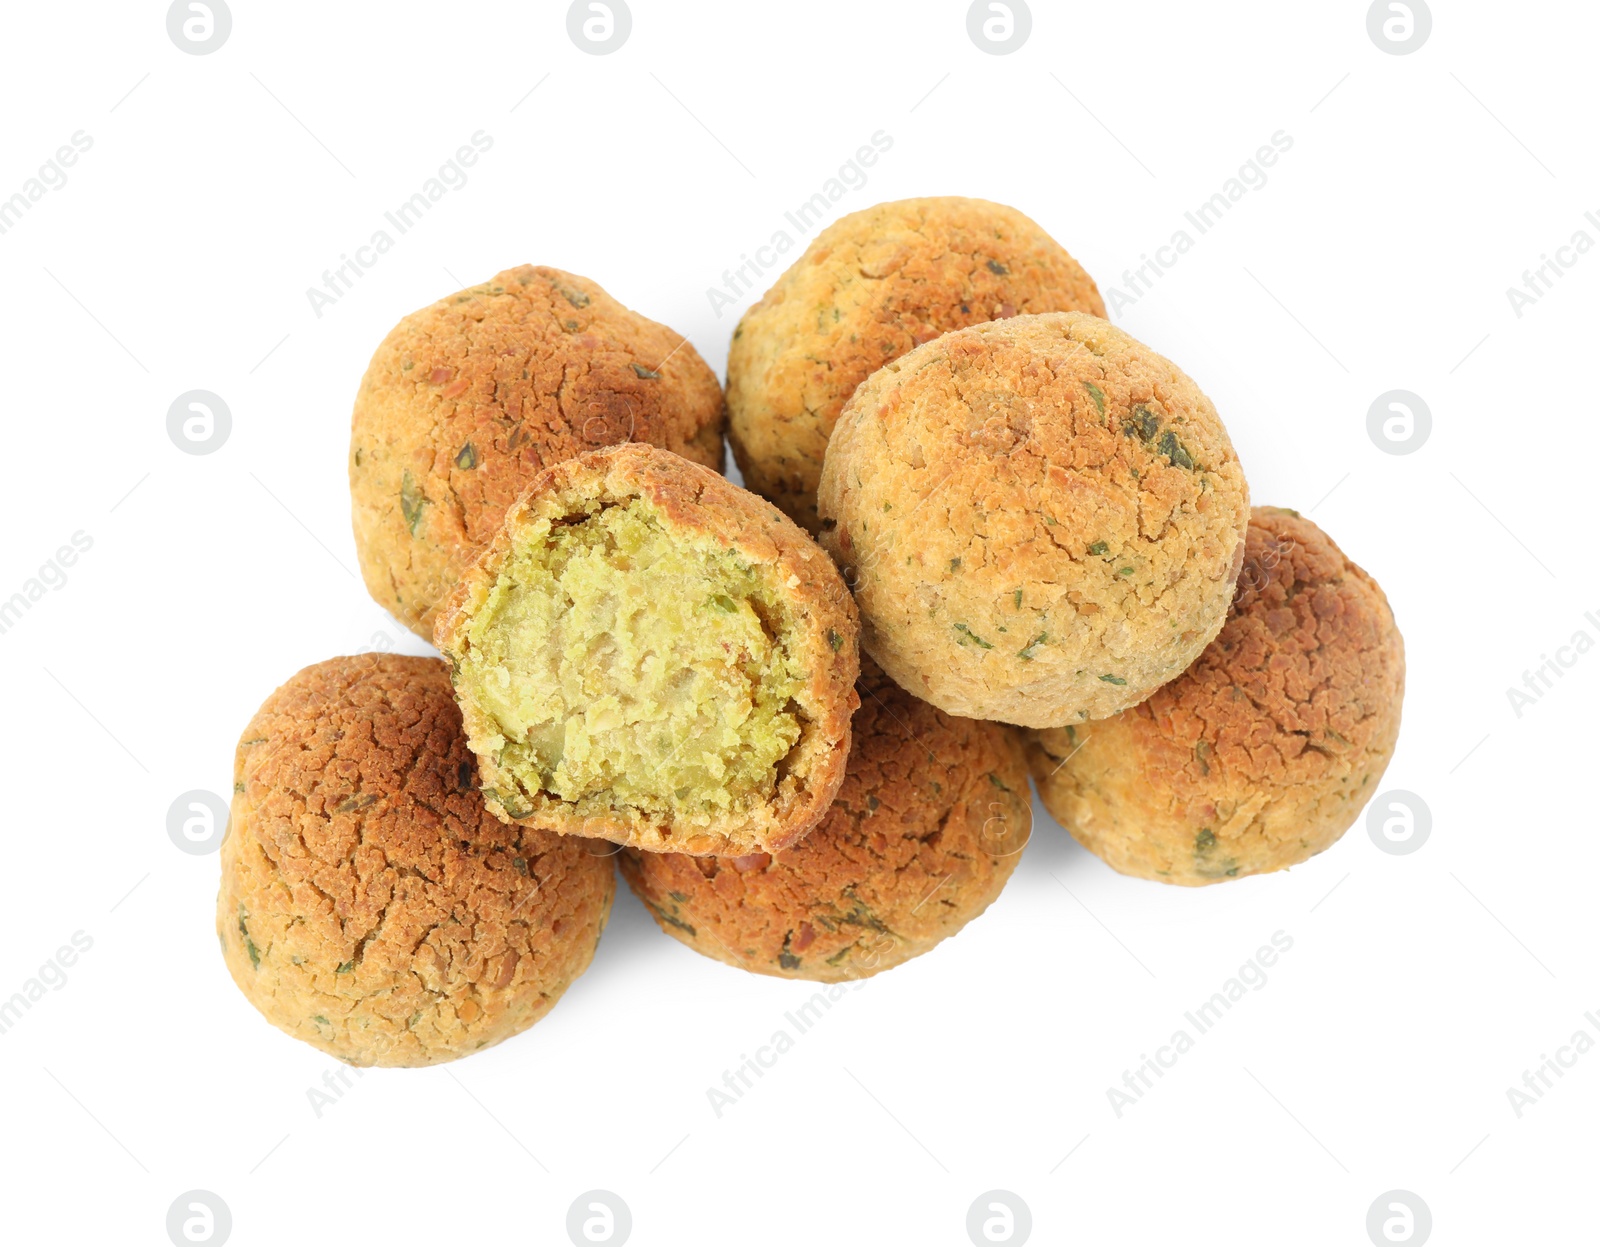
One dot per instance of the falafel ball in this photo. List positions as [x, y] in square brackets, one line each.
[1264, 752]
[870, 287]
[370, 905]
[647, 653]
[467, 400]
[1042, 519]
[929, 825]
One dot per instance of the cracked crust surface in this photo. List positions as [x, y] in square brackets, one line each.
[467, 400]
[870, 287]
[929, 825]
[815, 620]
[1263, 752]
[1042, 519]
[370, 905]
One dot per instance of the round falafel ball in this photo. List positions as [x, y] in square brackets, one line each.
[1042, 519]
[370, 905]
[1263, 752]
[647, 653]
[467, 400]
[870, 287]
[929, 825]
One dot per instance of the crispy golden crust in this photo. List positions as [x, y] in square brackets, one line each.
[1042, 519]
[1263, 752]
[930, 823]
[370, 905]
[870, 287]
[469, 399]
[818, 621]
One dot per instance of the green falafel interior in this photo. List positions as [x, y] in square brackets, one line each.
[623, 662]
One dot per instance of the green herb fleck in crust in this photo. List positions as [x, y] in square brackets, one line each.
[1113, 679]
[511, 803]
[249, 944]
[1174, 450]
[969, 634]
[1205, 841]
[1026, 652]
[672, 920]
[1143, 423]
[467, 457]
[411, 501]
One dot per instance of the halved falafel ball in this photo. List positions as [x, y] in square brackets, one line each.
[467, 400]
[870, 287]
[930, 823]
[1042, 519]
[647, 653]
[1262, 753]
[370, 905]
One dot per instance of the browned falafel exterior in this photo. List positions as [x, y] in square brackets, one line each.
[1042, 519]
[1262, 753]
[648, 654]
[370, 905]
[928, 827]
[870, 287]
[469, 398]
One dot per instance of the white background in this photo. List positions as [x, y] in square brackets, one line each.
[1376, 257]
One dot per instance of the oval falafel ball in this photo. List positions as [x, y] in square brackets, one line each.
[647, 653]
[1042, 519]
[870, 287]
[370, 905]
[929, 825]
[1264, 752]
[467, 400]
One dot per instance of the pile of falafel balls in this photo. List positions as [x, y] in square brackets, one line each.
[985, 533]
